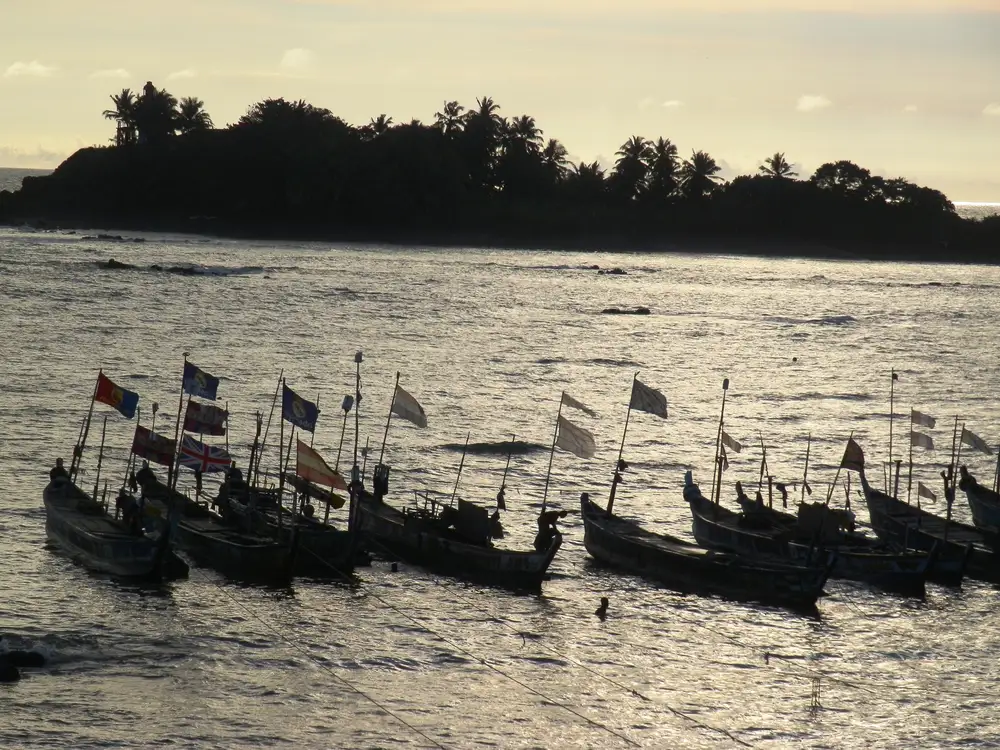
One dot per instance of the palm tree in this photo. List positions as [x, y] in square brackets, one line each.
[555, 158]
[777, 166]
[380, 124]
[523, 130]
[191, 115]
[586, 181]
[631, 168]
[662, 163]
[155, 114]
[449, 119]
[124, 115]
[481, 142]
[699, 175]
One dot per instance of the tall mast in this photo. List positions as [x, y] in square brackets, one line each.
[461, 463]
[805, 472]
[717, 467]
[621, 450]
[388, 419]
[263, 443]
[74, 466]
[100, 458]
[552, 452]
[892, 414]
[356, 469]
[172, 472]
[501, 501]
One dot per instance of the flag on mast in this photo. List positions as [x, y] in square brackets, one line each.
[297, 410]
[199, 383]
[204, 458]
[734, 445]
[310, 466]
[924, 420]
[110, 393]
[974, 441]
[153, 447]
[407, 407]
[648, 399]
[568, 400]
[854, 457]
[725, 459]
[924, 491]
[576, 440]
[920, 440]
[205, 419]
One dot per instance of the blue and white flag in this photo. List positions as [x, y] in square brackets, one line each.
[297, 410]
[199, 383]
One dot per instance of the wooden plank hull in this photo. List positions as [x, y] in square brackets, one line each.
[211, 542]
[82, 529]
[687, 567]
[961, 547]
[985, 506]
[720, 528]
[411, 540]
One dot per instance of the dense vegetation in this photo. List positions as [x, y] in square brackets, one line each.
[288, 167]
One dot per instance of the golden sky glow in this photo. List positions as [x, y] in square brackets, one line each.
[907, 89]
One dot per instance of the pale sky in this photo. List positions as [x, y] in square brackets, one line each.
[906, 88]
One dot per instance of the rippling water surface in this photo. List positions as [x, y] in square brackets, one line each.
[487, 340]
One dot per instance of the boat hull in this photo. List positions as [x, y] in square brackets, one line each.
[962, 549]
[409, 539]
[985, 506]
[87, 534]
[688, 568]
[720, 528]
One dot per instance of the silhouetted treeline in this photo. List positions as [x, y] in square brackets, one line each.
[289, 168]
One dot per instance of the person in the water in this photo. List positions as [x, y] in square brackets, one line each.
[602, 611]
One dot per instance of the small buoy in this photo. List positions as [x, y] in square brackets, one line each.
[795, 359]
[395, 568]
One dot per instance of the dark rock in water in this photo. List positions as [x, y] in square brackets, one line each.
[112, 238]
[626, 311]
[23, 659]
[594, 267]
[8, 672]
[613, 272]
[498, 448]
[115, 265]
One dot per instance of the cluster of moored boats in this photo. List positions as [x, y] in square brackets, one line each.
[264, 525]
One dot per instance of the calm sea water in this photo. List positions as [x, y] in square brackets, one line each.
[487, 340]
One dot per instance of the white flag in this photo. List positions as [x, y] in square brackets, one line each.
[733, 445]
[576, 440]
[920, 440]
[405, 406]
[568, 400]
[648, 399]
[973, 440]
[924, 491]
[725, 459]
[923, 420]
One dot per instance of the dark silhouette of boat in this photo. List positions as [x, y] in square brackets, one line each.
[322, 548]
[807, 537]
[686, 567]
[983, 502]
[462, 548]
[211, 541]
[84, 529]
[914, 528]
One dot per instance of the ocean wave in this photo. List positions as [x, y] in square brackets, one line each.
[612, 362]
[498, 448]
[829, 320]
[550, 361]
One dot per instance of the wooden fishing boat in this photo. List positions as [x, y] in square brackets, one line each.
[89, 534]
[914, 528]
[211, 541]
[761, 530]
[322, 548]
[687, 567]
[410, 536]
[983, 502]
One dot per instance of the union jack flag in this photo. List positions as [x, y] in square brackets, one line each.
[204, 458]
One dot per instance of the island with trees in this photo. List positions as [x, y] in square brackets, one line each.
[288, 169]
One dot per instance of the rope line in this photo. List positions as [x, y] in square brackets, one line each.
[483, 661]
[325, 667]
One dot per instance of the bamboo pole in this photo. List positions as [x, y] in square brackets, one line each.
[717, 468]
[461, 463]
[82, 442]
[388, 419]
[501, 495]
[552, 453]
[616, 478]
[100, 458]
[263, 443]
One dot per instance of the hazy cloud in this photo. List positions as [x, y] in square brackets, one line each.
[910, 108]
[297, 59]
[33, 68]
[40, 158]
[812, 102]
[186, 73]
[992, 109]
[112, 73]
[673, 103]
